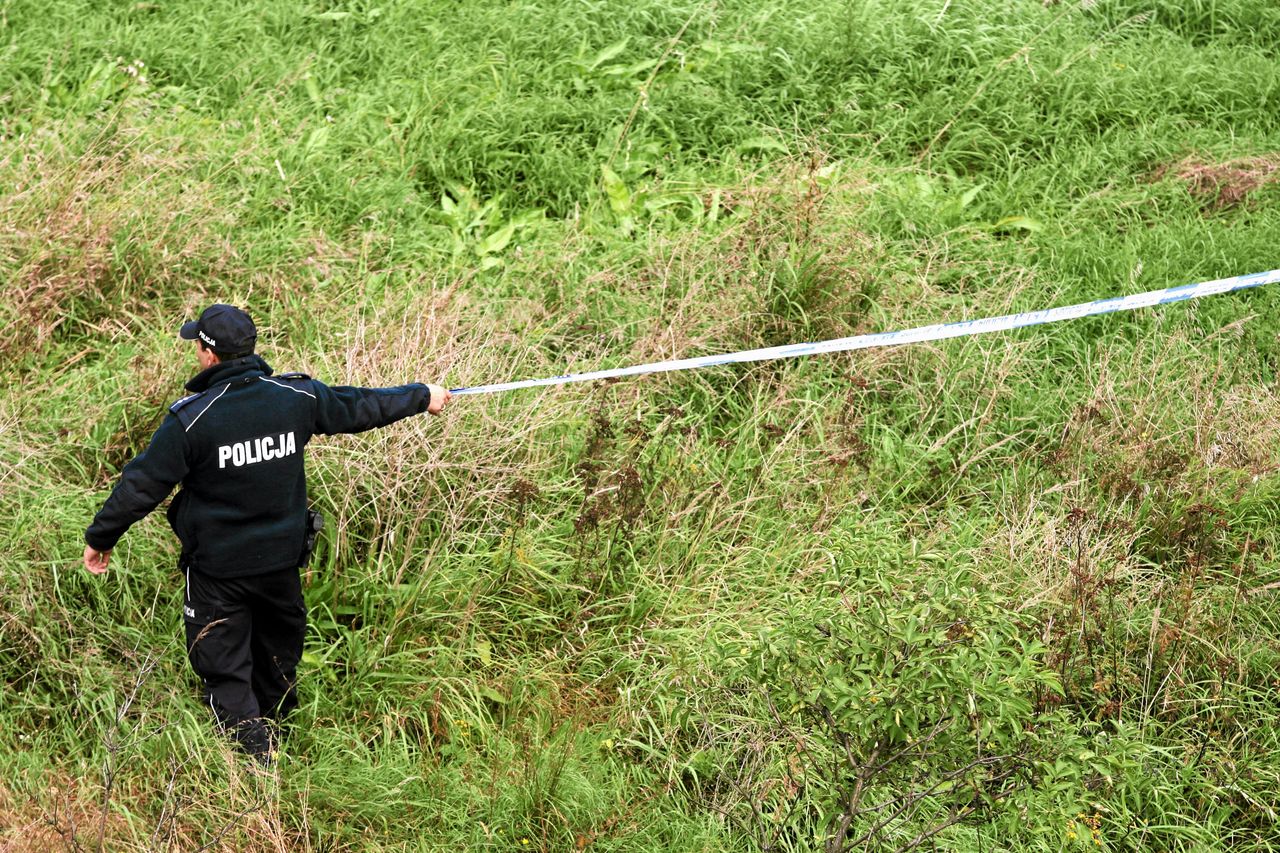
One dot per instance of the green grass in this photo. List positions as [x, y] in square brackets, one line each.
[653, 615]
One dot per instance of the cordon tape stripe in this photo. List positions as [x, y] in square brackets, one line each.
[909, 336]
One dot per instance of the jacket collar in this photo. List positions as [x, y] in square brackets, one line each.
[250, 365]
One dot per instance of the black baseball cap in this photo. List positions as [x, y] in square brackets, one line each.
[223, 328]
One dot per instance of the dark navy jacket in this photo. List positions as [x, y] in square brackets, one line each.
[236, 446]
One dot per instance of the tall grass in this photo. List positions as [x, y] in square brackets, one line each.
[639, 615]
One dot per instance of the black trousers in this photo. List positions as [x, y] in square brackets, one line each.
[244, 640]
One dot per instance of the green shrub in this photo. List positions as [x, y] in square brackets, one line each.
[901, 702]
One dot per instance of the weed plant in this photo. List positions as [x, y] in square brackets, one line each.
[1013, 592]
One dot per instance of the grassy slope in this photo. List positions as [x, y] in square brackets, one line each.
[537, 623]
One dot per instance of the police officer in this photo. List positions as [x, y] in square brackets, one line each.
[236, 445]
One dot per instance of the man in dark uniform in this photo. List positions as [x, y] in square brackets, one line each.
[236, 445]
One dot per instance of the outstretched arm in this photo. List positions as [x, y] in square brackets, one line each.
[347, 409]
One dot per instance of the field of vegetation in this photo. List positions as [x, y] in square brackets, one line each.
[1017, 592]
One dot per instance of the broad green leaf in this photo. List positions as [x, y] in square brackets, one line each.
[653, 205]
[761, 143]
[316, 139]
[1024, 223]
[313, 90]
[609, 53]
[616, 189]
[497, 241]
[713, 209]
[529, 217]
[630, 70]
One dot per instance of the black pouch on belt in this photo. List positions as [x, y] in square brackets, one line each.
[315, 523]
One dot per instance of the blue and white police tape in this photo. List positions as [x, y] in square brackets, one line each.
[909, 336]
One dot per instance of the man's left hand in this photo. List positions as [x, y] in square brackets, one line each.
[96, 561]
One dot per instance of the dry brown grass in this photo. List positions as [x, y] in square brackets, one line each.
[100, 228]
[227, 808]
[65, 817]
[1224, 185]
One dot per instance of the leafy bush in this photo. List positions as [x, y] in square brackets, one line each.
[901, 701]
